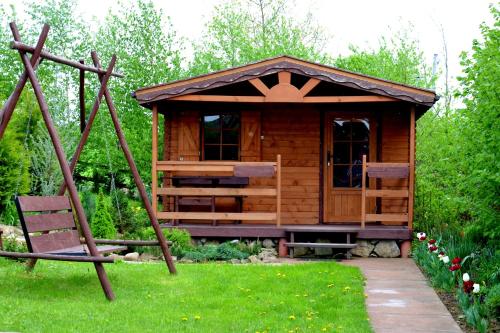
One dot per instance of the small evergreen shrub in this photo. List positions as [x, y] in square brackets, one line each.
[102, 222]
[492, 301]
[180, 238]
[224, 251]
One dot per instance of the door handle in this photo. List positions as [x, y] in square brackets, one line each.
[328, 158]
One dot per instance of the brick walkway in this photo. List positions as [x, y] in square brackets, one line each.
[400, 298]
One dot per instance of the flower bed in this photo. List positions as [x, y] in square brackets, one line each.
[452, 265]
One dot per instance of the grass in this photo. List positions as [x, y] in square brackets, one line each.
[67, 297]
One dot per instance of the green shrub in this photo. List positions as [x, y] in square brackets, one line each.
[202, 253]
[88, 199]
[9, 214]
[11, 245]
[251, 248]
[102, 223]
[224, 251]
[180, 238]
[492, 301]
[227, 251]
[129, 217]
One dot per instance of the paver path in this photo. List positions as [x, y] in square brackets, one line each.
[400, 298]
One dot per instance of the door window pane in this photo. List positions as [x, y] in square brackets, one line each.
[358, 150]
[351, 140]
[341, 153]
[360, 129]
[357, 173]
[341, 129]
[341, 176]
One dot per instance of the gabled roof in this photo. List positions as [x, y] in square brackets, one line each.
[145, 96]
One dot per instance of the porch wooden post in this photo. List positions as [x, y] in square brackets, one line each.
[411, 180]
[68, 178]
[363, 193]
[166, 157]
[278, 190]
[154, 160]
[137, 178]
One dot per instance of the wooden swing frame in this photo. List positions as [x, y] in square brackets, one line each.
[30, 65]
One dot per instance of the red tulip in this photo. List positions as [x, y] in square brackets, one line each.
[432, 241]
[468, 286]
[433, 248]
[455, 267]
[456, 260]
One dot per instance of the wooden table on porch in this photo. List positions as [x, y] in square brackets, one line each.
[206, 181]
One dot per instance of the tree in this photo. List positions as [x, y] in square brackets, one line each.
[144, 42]
[241, 32]
[398, 59]
[480, 129]
[102, 223]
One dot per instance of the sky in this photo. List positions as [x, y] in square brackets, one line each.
[357, 22]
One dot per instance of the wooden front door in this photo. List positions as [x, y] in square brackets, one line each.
[347, 137]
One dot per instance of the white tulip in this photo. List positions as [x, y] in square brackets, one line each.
[421, 234]
[475, 288]
[466, 277]
[446, 259]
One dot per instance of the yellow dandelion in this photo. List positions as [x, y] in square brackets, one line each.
[309, 318]
[197, 317]
[184, 318]
[323, 329]
[305, 295]
[330, 285]
[366, 295]
[291, 317]
[347, 289]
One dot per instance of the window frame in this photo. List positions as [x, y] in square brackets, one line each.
[221, 130]
[351, 142]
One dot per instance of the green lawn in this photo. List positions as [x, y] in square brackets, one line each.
[67, 297]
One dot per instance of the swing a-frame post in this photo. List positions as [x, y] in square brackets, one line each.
[30, 65]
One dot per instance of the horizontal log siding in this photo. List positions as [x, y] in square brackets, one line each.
[394, 148]
[293, 133]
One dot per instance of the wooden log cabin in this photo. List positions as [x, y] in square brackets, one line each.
[275, 148]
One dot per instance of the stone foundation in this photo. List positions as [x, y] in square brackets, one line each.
[376, 248]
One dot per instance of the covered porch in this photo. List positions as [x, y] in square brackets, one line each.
[276, 148]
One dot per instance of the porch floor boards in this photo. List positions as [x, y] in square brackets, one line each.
[272, 231]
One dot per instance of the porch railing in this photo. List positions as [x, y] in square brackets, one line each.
[383, 171]
[239, 169]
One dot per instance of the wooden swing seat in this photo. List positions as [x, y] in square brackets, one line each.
[51, 233]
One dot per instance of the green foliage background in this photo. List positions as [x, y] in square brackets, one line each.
[457, 147]
[458, 140]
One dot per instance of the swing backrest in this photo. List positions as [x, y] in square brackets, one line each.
[47, 223]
